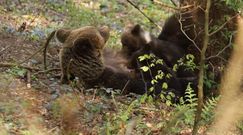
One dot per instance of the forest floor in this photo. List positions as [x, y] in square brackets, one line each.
[34, 103]
[46, 107]
[43, 106]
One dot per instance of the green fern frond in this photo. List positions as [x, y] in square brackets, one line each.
[190, 96]
[208, 109]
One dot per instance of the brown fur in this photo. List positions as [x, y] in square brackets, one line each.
[81, 53]
[131, 40]
[137, 42]
[82, 56]
[120, 79]
[114, 60]
[63, 33]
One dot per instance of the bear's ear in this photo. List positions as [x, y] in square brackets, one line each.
[136, 29]
[62, 34]
[104, 32]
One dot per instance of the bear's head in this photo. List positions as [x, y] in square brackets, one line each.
[133, 38]
[88, 39]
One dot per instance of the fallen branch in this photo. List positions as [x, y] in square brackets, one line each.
[17, 65]
[42, 48]
[135, 6]
[46, 71]
[32, 55]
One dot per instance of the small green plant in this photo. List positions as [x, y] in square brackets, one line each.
[16, 71]
[188, 103]
[116, 122]
[208, 109]
[187, 62]
[151, 61]
[184, 112]
[234, 4]
[209, 80]
[240, 126]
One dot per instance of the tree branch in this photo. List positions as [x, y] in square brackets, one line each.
[135, 6]
[221, 51]
[193, 42]
[176, 8]
[222, 26]
[166, 5]
[201, 70]
[173, 3]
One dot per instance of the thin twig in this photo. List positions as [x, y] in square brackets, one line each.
[221, 58]
[43, 84]
[51, 130]
[29, 77]
[17, 65]
[176, 8]
[32, 55]
[135, 6]
[173, 3]
[141, 72]
[46, 71]
[150, 72]
[222, 26]
[4, 49]
[124, 88]
[220, 52]
[94, 94]
[114, 101]
[166, 5]
[150, 109]
[181, 27]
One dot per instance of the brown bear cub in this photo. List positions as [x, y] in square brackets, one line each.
[135, 38]
[137, 42]
[82, 56]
